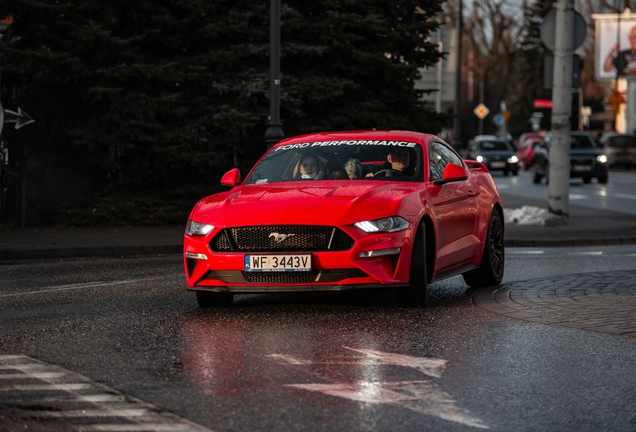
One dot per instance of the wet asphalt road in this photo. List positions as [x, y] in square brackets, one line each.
[126, 330]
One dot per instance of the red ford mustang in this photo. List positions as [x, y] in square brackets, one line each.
[348, 210]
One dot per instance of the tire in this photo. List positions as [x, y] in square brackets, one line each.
[515, 173]
[536, 177]
[587, 180]
[491, 271]
[602, 180]
[416, 294]
[206, 299]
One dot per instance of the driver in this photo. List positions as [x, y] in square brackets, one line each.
[398, 159]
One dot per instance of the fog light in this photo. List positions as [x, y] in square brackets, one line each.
[382, 252]
[198, 256]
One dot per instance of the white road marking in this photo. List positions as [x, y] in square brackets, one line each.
[421, 396]
[587, 253]
[94, 413]
[86, 285]
[102, 402]
[524, 252]
[37, 375]
[151, 427]
[22, 367]
[430, 367]
[87, 398]
[578, 196]
[47, 387]
[622, 195]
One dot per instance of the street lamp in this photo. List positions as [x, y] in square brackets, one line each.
[457, 139]
[274, 131]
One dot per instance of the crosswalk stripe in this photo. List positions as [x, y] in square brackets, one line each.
[101, 402]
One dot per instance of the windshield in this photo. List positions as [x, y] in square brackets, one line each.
[493, 145]
[582, 142]
[623, 141]
[340, 160]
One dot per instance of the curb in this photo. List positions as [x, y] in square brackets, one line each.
[610, 241]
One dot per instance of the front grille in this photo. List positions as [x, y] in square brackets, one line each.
[281, 238]
[280, 277]
[579, 162]
[333, 276]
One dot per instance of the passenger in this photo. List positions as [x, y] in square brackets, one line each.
[353, 167]
[398, 160]
[309, 167]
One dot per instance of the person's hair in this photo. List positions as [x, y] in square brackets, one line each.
[319, 162]
[353, 166]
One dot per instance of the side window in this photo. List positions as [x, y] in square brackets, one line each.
[439, 155]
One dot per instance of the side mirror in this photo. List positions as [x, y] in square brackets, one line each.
[454, 172]
[231, 178]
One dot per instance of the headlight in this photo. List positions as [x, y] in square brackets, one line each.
[601, 158]
[197, 229]
[481, 159]
[513, 159]
[390, 224]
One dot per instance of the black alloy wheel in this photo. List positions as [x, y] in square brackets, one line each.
[491, 271]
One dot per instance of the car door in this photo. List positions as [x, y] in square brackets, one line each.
[454, 210]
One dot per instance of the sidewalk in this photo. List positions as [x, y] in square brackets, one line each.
[585, 227]
[34, 243]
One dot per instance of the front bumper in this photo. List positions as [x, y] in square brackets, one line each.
[331, 270]
[502, 166]
[588, 168]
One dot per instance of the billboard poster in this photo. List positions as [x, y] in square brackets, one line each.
[615, 48]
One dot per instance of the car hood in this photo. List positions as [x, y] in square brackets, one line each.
[302, 202]
[585, 152]
[495, 153]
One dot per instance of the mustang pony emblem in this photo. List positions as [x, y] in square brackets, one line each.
[280, 237]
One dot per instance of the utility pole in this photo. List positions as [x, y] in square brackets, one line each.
[457, 131]
[274, 132]
[559, 187]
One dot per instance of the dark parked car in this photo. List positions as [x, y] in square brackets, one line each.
[620, 149]
[587, 159]
[496, 153]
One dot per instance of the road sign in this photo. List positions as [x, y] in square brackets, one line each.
[481, 111]
[498, 119]
[20, 118]
[548, 30]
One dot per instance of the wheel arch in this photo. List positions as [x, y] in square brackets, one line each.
[429, 231]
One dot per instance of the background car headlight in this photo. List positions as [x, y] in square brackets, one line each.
[390, 224]
[513, 159]
[197, 229]
[481, 159]
[601, 158]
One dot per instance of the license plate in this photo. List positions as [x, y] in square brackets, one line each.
[498, 164]
[582, 168]
[278, 263]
